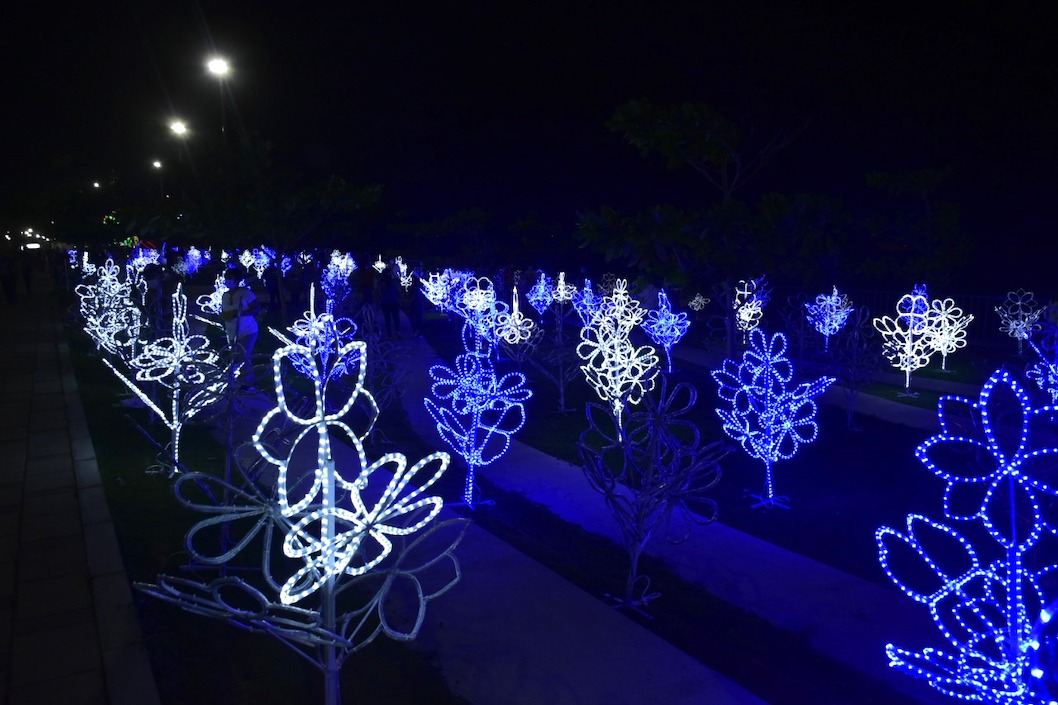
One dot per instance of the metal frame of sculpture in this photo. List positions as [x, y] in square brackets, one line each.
[1020, 316]
[653, 474]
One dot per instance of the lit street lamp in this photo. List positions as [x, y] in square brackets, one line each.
[220, 68]
[178, 127]
[161, 186]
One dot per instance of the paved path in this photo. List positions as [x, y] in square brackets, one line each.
[68, 631]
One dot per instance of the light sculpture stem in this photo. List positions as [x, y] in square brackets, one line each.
[328, 611]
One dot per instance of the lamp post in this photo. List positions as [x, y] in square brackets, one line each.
[219, 67]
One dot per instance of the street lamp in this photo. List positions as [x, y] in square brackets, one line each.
[178, 127]
[219, 67]
[161, 186]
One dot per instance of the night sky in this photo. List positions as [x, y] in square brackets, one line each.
[501, 105]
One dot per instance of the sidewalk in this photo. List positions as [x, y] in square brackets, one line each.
[68, 631]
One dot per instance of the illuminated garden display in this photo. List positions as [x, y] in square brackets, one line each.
[343, 549]
[476, 410]
[749, 301]
[828, 314]
[986, 571]
[665, 327]
[764, 415]
[619, 371]
[946, 328]
[906, 336]
[586, 302]
[541, 294]
[1020, 316]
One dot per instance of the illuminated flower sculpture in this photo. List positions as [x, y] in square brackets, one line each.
[947, 328]
[769, 420]
[828, 314]
[586, 302]
[350, 570]
[988, 574]
[477, 412]
[513, 327]
[213, 302]
[186, 366]
[618, 371]
[542, 294]
[906, 336]
[664, 327]
[110, 316]
[750, 298]
[1020, 315]
[335, 280]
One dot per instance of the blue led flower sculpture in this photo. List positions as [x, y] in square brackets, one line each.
[987, 575]
[828, 314]
[664, 327]
[765, 416]
[477, 411]
[586, 302]
[541, 294]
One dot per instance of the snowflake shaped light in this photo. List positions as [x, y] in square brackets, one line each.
[984, 589]
[828, 314]
[946, 332]
[697, 302]
[541, 294]
[1020, 316]
[906, 336]
[477, 412]
[765, 416]
[664, 327]
[619, 371]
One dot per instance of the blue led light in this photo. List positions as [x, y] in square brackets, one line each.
[477, 412]
[767, 418]
[828, 314]
[664, 327]
[997, 457]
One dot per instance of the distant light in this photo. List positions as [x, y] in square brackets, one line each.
[32, 245]
[218, 66]
[95, 184]
[178, 127]
[156, 164]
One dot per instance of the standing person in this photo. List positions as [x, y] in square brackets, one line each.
[389, 301]
[238, 306]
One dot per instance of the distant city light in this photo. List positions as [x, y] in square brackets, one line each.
[178, 127]
[218, 66]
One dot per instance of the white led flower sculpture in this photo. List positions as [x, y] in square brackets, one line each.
[213, 302]
[477, 411]
[513, 327]
[697, 303]
[906, 342]
[984, 584]
[563, 291]
[110, 316]
[828, 314]
[1020, 316]
[378, 265]
[335, 279]
[765, 416]
[586, 302]
[180, 363]
[748, 302]
[947, 328]
[664, 327]
[338, 528]
[619, 371]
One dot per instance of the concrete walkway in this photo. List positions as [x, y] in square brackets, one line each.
[68, 631]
